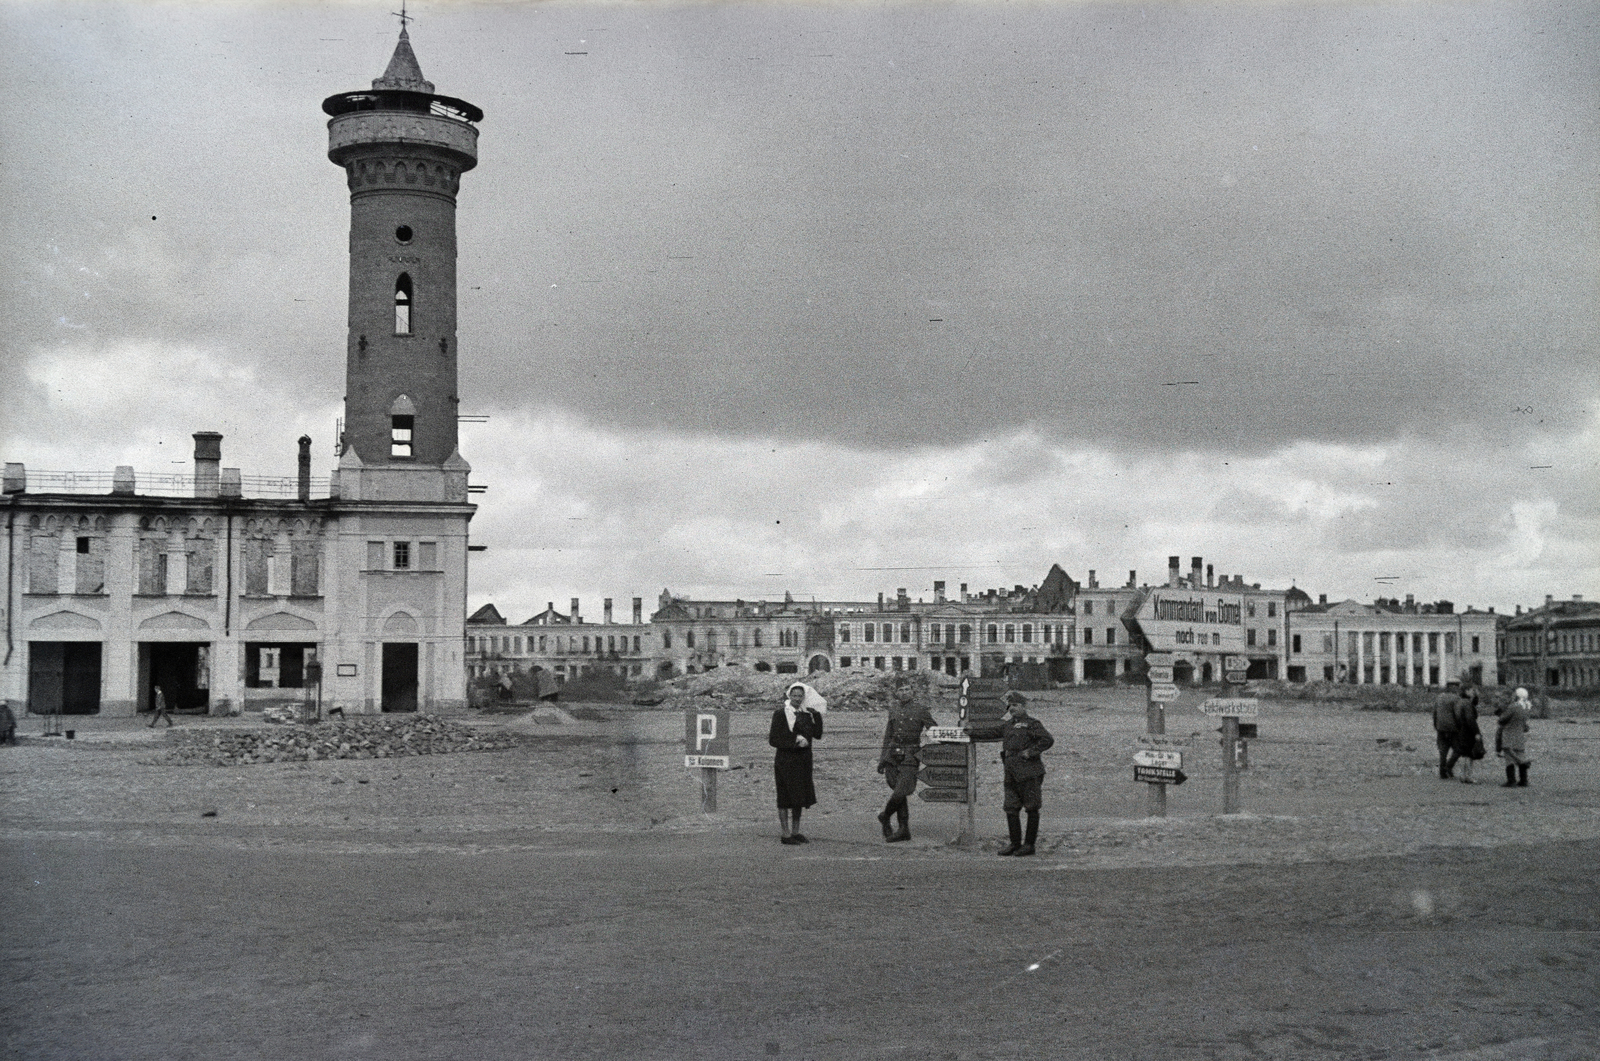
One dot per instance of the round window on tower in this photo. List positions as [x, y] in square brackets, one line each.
[403, 234]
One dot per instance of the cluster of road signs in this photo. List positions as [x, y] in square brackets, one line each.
[944, 773]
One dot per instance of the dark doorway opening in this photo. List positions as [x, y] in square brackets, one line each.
[399, 676]
[181, 669]
[1099, 670]
[64, 676]
[1183, 672]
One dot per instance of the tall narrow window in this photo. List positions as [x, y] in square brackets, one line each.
[402, 305]
[400, 429]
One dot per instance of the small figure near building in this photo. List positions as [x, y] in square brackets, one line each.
[1511, 739]
[1023, 741]
[900, 757]
[1444, 729]
[158, 708]
[795, 726]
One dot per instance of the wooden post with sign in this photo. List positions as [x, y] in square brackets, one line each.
[705, 745]
[1158, 667]
[949, 773]
[1235, 755]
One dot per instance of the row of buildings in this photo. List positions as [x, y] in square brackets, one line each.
[1061, 631]
[230, 592]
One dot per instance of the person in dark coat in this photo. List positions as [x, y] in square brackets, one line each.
[795, 726]
[1023, 740]
[900, 757]
[1444, 728]
[159, 709]
[1511, 739]
[1467, 741]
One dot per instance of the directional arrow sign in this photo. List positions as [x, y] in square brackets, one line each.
[1232, 706]
[948, 734]
[1158, 659]
[1161, 674]
[942, 795]
[1164, 694]
[1159, 775]
[1153, 757]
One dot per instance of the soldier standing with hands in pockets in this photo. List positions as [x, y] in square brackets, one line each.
[1023, 740]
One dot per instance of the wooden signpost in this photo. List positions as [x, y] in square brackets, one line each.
[1162, 692]
[705, 745]
[949, 773]
[1235, 753]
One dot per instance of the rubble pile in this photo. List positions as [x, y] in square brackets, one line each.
[385, 737]
[736, 687]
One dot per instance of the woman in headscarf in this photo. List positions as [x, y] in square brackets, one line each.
[1512, 738]
[795, 726]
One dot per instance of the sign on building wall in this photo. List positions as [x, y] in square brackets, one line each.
[1192, 620]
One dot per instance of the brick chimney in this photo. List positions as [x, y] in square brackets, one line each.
[638, 610]
[1194, 571]
[305, 468]
[938, 593]
[608, 611]
[575, 610]
[207, 463]
[1133, 578]
[1174, 563]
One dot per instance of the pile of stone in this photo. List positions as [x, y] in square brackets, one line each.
[736, 687]
[380, 737]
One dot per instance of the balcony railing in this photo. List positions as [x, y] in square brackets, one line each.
[170, 484]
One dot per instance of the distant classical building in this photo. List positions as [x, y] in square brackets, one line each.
[562, 644]
[229, 592]
[1390, 642]
[1556, 646]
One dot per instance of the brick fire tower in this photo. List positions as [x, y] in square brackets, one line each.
[403, 149]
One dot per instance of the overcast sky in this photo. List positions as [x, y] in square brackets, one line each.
[842, 298]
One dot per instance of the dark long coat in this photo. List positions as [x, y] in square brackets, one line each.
[791, 765]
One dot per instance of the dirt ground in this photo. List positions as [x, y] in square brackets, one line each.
[567, 898]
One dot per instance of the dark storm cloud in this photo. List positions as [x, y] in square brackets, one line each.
[901, 225]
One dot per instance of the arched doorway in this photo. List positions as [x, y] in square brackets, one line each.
[819, 663]
[1183, 671]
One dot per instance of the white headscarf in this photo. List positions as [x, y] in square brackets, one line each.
[1522, 694]
[812, 702]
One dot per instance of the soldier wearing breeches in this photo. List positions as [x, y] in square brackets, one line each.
[1023, 740]
[900, 757]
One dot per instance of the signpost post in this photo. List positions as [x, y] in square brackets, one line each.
[1162, 691]
[1235, 754]
[705, 745]
[949, 773]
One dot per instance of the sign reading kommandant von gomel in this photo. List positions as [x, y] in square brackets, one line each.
[705, 738]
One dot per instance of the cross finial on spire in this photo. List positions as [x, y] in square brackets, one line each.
[403, 17]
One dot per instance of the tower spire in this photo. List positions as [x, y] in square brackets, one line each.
[403, 72]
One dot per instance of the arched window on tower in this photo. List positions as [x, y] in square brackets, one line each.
[402, 305]
[402, 427]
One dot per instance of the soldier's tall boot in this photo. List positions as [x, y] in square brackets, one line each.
[1033, 834]
[887, 818]
[1014, 827]
[903, 812]
[1511, 776]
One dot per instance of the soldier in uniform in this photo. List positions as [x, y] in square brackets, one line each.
[1024, 739]
[900, 757]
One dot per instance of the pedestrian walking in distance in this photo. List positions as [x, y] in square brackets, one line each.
[900, 757]
[158, 705]
[1444, 728]
[1023, 740]
[1511, 739]
[795, 727]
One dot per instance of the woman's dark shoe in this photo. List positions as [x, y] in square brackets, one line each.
[800, 838]
[1025, 849]
[899, 835]
[1010, 849]
[787, 840]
